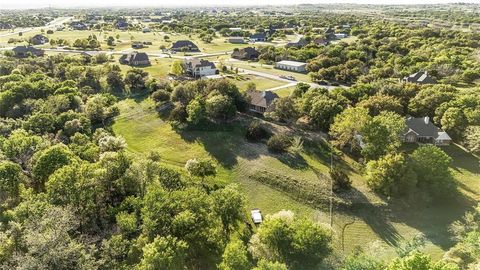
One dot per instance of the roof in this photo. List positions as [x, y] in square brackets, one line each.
[259, 35]
[133, 57]
[183, 43]
[261, 98]
[247, 52]
[291, 63]
[423, 127]
[256, 216]
[420, 77]
[195, 62]
[21, 49]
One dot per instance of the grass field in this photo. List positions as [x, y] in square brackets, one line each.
[373, 223]
[261, 83]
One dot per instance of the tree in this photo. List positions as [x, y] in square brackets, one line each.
[48, 161]
[323, 111]
[472, 139]
[420, 261]
[115, 80]
[200, 168]
[21, 146]
[430, 98]
[220, 107]
[431, 165]
[135, 80]
[454, 122]
[235, 256]
[347, 125]
[11, 175]
[164, 253]
[340, 179]
[381, 135]
[196, 111]
[284, 109]
[256, 131]
[358, 260]
[266, 265]
[229, 205]
[299, 243]
[378, 103]
[390, 175]
[177, 68]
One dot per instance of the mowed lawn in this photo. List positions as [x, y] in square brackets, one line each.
[369, 225]
[261, 83]
[268, 69]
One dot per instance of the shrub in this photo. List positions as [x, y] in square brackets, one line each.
[278, 143]
[340, 179]
[256, 132]
[161, 96]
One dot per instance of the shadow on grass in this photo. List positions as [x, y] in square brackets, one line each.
[294, 161]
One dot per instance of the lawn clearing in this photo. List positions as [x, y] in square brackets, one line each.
[374, 222]
[261, 83]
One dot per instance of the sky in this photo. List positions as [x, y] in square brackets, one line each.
[165, 3]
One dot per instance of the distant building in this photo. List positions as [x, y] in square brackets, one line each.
[248, 53]
[135, 59]
[301, 42]
[25, 51]
[340, 35]
[184, 45]
[258, 37]
[236, 40]
[261, 101]
[137, 45]
[198, 68]
[421, 77]
[234, 29]
[291, 66]
[78, 26]
[422, 130]
[146, 30]
[330, 34]
[122, 25]
[39, 40]
[320, 41]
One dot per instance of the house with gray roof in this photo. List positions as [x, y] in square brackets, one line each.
[39, 40]
[135, 59]
[258, 37]
[248, 53]
[184, 45]
[299, 43]
[422, 130]
[261, 101]
[198, 68]
[25, 51]
[421, 77]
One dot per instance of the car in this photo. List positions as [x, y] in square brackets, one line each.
[288, 77]
[323, 83]
[256, 216]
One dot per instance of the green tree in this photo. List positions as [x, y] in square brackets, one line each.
[200, 167]
[299, 243]
[390, 175]
[11, 175]
[266, 265]
[229, 204]
[135, 80]
[164, 253]
[48, 161]
[431, 165]
[196, 111]
[472, 139]
[177, 68]
[220, 107]
[381, 135]
[347, 125]
[235, 256]
[419, 261]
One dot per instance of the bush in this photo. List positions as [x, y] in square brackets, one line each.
[161, 96]
[278, 143]
[256, 132]
[341, 181]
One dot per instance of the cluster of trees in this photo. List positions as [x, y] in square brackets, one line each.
[87, 43]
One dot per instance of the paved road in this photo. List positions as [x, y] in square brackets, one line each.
[53, 24]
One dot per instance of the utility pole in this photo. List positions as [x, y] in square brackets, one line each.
[331, 186]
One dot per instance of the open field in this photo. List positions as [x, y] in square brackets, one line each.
[261, 83]
[373, 224]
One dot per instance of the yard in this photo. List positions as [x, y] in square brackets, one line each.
[373, 224]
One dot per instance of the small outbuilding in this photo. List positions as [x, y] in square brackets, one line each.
[421, 77]
[236, 40]
[291, 66]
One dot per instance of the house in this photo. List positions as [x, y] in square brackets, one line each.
[146, 30]
[25, 51]
[236, 40]
[340, 35]
[78, 26]
[137, 45]
[421, 77]
[198, 68]
[39, 40]
[422, 130]
[320, 41]
[184, 45]
[258, 37]
[291, 66]
[301, 42]
[261, 101]
[122, 25]
[235, 29]
[248, 53]
[135, 59]
[330, 33]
